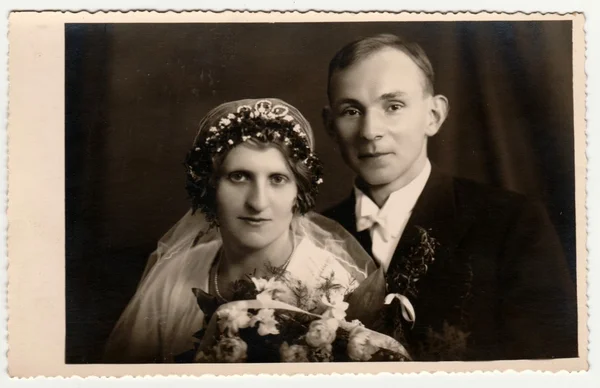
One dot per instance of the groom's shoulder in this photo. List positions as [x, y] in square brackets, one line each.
[489, 202]
[469, 194]
[474, 193]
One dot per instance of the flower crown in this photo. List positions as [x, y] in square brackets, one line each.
[266, 123]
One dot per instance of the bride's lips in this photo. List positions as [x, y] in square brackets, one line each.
[255, 221]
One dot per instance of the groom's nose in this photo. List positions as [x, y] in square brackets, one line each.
[371, 128]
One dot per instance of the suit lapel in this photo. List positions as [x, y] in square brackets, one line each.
[436, 212]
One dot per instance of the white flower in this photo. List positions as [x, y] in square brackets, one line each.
[219, 149]
[260, 283]
[230, 142]
[231, 349]
[232, 319]
[244, 138]
[213, 129]
[294, 353]
[197, 149]
[297, 128]
[204, 357]
[319, 181]
[267, 289]
[288, 118]
[336, 307]
[253, 115]
[287, 141]
[321, 332]
[360, 347]
[224, 122]
[267, 324]
[276, 135]
[302, 134]
[271, 115]
[231, 116]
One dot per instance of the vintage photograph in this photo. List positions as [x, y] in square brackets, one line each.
[342, 191]
[319, 192]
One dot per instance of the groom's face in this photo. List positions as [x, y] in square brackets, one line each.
[380, 115]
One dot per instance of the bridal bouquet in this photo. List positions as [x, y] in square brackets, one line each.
[281, 320]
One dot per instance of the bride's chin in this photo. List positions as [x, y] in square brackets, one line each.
[251, 240]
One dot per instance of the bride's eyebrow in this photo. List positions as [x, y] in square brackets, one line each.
[287, 172]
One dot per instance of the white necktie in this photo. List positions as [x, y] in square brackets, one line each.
[370, 220]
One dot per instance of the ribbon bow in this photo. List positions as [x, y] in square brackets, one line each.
[408, 311]
[367, 221]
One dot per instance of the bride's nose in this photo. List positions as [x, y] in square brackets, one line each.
[258, 199]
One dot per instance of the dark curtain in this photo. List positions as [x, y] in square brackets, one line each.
[135, 93]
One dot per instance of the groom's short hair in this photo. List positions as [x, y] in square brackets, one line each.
[360, 49]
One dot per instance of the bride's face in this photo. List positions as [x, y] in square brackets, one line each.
[255, 196]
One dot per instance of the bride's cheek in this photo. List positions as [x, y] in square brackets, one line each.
[229, 195]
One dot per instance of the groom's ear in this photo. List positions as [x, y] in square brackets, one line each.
[438, 111]
[328, 121]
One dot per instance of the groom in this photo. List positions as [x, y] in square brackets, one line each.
[498, 286]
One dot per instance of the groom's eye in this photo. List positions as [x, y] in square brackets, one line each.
[395, 106]
[350, 112]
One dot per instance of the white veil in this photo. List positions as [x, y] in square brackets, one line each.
[193, 229]
[163, 314]
[161, 318]
[189, 231]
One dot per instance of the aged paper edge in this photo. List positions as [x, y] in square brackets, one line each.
[36, 159]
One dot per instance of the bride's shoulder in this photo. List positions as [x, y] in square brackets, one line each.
[183, 266]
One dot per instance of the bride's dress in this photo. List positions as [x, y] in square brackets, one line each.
[163, 315]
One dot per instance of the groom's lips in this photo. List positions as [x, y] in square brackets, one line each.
[372, 155]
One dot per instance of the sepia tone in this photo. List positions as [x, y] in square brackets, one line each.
[134, 94]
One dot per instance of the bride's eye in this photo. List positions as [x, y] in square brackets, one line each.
[237, 177]
[279, 179]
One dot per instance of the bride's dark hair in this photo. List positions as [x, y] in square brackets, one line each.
[261, 126]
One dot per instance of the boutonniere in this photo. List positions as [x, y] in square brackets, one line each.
[403, 277]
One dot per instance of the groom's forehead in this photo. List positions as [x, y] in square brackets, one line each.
[377, 69]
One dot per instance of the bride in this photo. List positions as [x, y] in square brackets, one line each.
[252, 176]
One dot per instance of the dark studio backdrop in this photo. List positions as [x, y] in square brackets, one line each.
[136, 92]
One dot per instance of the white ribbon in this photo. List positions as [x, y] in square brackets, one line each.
[408, 311]
[263, 304]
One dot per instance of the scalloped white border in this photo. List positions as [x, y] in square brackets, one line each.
[242, 17]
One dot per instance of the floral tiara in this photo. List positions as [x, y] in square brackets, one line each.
[264, 122]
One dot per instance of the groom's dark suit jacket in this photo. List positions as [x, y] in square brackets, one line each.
[499, 280]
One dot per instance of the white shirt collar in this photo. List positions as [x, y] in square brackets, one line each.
[401, 201]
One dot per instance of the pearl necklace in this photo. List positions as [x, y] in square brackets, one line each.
[216, 277]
